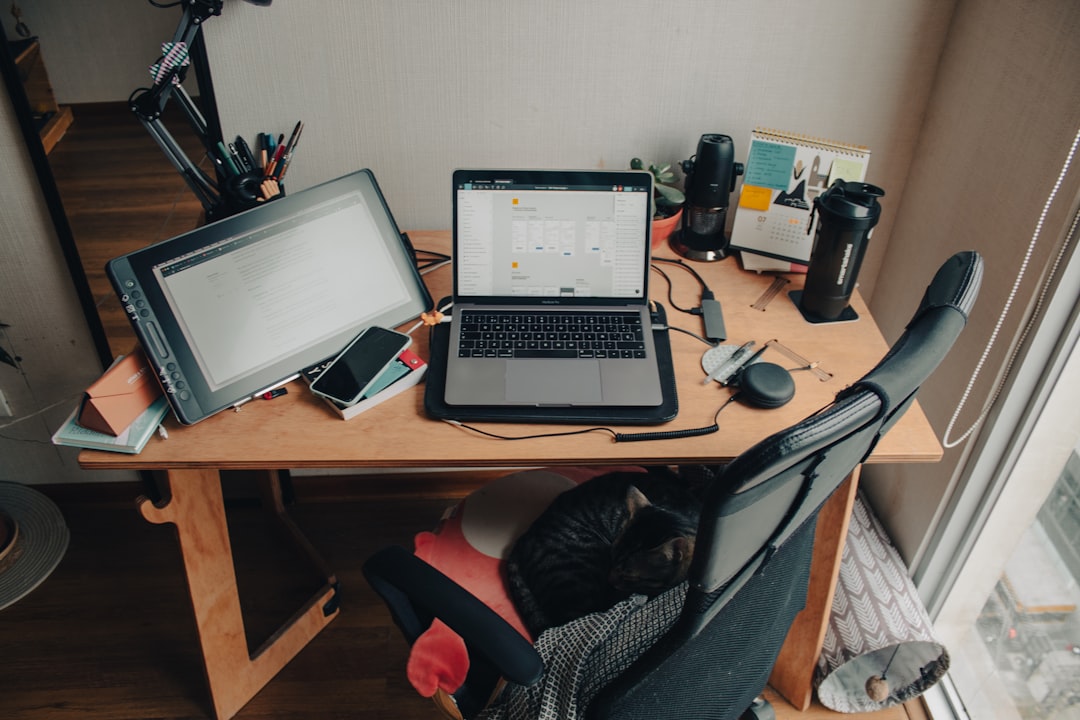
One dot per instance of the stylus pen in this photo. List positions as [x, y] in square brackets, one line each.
[256, 396]
[743, 365]
[729, 363]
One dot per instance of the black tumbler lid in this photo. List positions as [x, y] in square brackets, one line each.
[851, 201]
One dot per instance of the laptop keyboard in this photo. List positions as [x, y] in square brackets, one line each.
[512, 334]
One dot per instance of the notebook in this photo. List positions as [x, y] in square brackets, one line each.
[551, 273]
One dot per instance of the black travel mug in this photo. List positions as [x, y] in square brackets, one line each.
[847, 212]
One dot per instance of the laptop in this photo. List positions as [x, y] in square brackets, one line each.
[551, 273]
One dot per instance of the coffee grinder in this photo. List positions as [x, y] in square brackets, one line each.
[710, 179]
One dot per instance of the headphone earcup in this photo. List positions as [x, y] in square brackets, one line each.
[766, 385]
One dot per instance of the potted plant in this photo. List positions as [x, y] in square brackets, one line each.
[667, 200]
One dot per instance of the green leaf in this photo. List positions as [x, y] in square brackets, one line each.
[672, 195]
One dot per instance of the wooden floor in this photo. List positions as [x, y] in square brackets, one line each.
[120, 194]
[110, 634]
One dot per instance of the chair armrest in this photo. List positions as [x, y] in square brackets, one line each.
[416, 593]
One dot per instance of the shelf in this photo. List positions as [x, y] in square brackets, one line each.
[53, 119]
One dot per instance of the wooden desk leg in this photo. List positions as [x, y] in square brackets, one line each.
[793, 674]
[197, 510]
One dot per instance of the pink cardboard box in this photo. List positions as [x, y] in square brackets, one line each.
[120, 395]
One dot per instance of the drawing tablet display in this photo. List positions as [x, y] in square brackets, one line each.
[232, 308]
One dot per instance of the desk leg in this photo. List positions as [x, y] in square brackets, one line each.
[197, 510]
[793, 674]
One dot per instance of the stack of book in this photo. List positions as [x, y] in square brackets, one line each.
[132, 440]
[119, 412]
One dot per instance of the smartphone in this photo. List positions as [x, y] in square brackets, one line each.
[350, 375]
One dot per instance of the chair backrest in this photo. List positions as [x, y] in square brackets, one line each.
[751, 564]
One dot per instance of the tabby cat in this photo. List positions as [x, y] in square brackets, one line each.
[616, 535]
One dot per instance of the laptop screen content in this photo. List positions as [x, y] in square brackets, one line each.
[520, 239]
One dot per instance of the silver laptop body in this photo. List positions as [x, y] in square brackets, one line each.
[551, 273]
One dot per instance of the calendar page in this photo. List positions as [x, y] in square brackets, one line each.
[784, 173]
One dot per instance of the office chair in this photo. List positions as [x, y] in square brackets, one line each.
[715, 650]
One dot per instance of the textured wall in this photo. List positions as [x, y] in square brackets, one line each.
[1004, 112]
[413, 89]
[47, 329]
[97, 51]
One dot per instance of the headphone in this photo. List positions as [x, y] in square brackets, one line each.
[765, 385]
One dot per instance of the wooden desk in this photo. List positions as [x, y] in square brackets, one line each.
[298, 431]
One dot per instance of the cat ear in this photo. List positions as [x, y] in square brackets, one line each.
[635, 499]
[680, 548]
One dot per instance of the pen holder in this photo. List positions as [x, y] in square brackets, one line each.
[243, 192]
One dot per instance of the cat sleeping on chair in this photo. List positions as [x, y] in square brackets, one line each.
[614, 536]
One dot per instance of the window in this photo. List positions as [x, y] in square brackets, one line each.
[1026, 639]
[1001, 581]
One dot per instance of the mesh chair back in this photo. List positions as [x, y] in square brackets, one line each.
[752, 561]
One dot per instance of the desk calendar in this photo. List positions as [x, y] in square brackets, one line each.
[784, 173]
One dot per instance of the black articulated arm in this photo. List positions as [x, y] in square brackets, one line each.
[218, 198]
[148, 104]
[416, 592]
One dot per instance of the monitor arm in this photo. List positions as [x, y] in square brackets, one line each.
[148, 104]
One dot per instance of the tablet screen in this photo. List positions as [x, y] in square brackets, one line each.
[231, 308]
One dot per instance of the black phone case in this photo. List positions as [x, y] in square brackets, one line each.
[436, 407]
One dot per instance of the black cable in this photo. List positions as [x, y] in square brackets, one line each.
[681, 263]
[677, 434]
[441, 256]
[706, 291]
[671, 298]
[462, 425]
[615, 436]
[709, 309]
[691, 311]
[694, 335]
[436, 258]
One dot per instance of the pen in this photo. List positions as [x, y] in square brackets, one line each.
[237, 160]
[227, 159]
[294, 136]
[260, 145]
[245, 153]
[279, 171]
[271, 391]
[290, 147]
[742, 366]
[731, 362]
[278, 154]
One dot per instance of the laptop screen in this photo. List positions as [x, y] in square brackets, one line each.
[555, 235]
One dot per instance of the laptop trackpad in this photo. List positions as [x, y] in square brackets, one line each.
[563, 382]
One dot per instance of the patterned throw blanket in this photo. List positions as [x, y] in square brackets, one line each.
[583, 656]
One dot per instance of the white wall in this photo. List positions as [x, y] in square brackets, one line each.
[1005, 109]
[967, 114]
[413, 89]
[47, 328]
[983, 99]
[97, 51]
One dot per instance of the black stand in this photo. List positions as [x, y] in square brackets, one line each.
[222, 195]
[847, 315]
